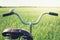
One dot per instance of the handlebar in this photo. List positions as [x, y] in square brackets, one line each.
[36, 22]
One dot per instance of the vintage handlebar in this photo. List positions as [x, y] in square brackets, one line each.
[36, 22]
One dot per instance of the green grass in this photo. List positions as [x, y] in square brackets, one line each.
[47, 29]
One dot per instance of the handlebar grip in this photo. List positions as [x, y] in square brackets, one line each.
[7, 14]
[10, 13]
[52, 13]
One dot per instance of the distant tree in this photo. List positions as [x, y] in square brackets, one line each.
[0, 6]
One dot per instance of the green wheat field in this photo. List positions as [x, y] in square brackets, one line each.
[47, 29]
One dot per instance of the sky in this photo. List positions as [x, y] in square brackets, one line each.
[42, 3]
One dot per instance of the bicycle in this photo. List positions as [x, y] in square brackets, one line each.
[17, 34]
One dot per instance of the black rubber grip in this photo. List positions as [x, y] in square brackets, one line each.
[7, 14]
[52, 13]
